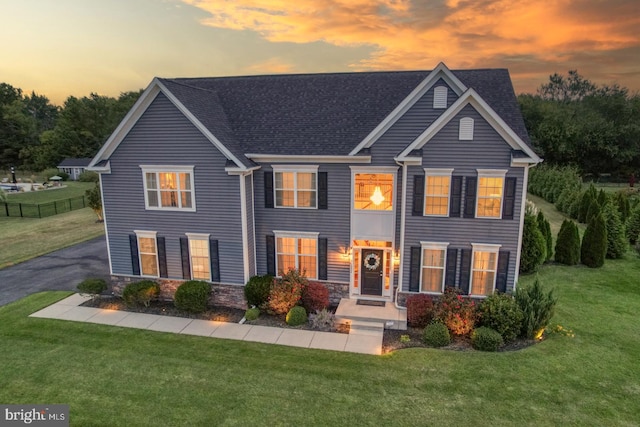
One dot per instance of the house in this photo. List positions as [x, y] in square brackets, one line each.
[377, 184]
[74, 166]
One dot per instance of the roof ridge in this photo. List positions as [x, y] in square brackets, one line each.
[174, 81]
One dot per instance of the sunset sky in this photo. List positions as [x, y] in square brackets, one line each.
[75, 47]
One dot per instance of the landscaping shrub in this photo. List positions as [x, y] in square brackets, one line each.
[501, 313]
[568, 244]
[48, 173]
[633, 226]
[315, 296]
[89, 176]
[594, 209]
[420, 310]
[486, 339]
[93, 287]
[140, 293]
[192, 296]
[603, 199]
[323, 320]
[286, 292]
[621, 201]
[252, 314]
[257, 289]
[296, 316]
[545, 229]
[537, 309]
[456, 312]
[436, 334]
[587, 199]
[594, 243]
[551, 182]
[533, 246]
[616, 233]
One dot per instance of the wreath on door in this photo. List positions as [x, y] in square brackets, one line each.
[372, 261]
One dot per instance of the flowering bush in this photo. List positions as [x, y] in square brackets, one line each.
[419, 310]
[456, 312]
[286, 292]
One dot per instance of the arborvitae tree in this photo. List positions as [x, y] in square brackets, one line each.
[568, 244]
[616, 235]
[633, 226]
[624, 207]
[594, 243]
[594, 209]
[585, 201]
[545, 229]
[602, 198]
[533, 246]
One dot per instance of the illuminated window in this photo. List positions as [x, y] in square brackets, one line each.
[433, 265]
[199, 256]
[490, 190]
[483, 270]
[373, 191]
[296, 188]
[437, 186]
[148, 253]
[170, 188]
[297, 251]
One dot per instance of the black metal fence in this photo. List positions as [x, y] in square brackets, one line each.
[41, 210]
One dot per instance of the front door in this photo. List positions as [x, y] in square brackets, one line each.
[372, 272]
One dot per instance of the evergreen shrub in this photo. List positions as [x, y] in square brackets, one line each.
[568, 244]
[252, 314]
[436, 334]
[193, 296]
[616, 234]
[93, 287]
[257, 289]
[534, 246]
[537, 308]
[501, 313]
[486, 339]
[594, 243]
[296, 316]
[140, 293]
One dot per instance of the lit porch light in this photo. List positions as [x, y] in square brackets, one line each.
[377, 196]
[346, 255]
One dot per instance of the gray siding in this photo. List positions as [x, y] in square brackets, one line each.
[163, 136]
[250, 224]
[486, 151]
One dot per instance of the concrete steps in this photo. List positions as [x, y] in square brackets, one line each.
[388, 316]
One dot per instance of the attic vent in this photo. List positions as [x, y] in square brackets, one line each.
[466, 129]
[440, 97]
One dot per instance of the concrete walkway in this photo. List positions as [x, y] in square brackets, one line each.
[366, 342]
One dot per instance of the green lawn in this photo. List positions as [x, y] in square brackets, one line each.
[70, 189]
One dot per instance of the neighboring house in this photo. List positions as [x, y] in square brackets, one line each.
[74, 167]
[377, 184]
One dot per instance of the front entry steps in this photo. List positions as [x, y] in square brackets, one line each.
[363, 316]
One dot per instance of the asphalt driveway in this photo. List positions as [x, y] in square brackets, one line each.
[58, 271]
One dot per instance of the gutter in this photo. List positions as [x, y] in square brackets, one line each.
[403, 211]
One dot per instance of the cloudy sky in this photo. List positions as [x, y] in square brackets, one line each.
[73, 47]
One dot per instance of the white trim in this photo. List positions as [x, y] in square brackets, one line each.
[374, 169]
[145, 234]
[157, 169]
[438, 246]
[523, 202]
[295, 170]
[465, 129]
[101, 169]
[471, 97]
[253, 217]
[198, 236]
[441, 71]
[271, 158]
[243, 223]
[484, 247]
[440, 95]
[298, 235]
[201, 237]
[436, 173]
[490, 173]
[303, 234]
[403, 211]
[106, 230]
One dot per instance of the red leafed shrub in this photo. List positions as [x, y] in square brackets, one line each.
[315, 297]
[286, 292]
[456, 312]
[420, 310]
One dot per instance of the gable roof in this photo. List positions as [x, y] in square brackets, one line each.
[333, 114]
[70, 162]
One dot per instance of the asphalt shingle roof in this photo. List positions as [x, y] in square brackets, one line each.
[69, 162]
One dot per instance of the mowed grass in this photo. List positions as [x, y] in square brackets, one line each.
[26, 238]
[70, 189]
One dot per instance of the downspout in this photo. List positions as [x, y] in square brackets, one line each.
[523, 203]
[403, 211]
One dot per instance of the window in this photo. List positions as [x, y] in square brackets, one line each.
[437, 186]
[466, 129]
[490, 190]
[483, 269]
[373, 191]
[148, 253]
[199, 256]
[440, 97]
[297, 251]
[169, 187]
[296, 188]
[433, 266]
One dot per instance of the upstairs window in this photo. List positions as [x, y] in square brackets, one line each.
[169, 188]
[296, 188]
[440, 97]
[373, 191]
[437, 188]
[490, 192]
[466, 129]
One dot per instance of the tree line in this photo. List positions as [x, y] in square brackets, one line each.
[35, 134]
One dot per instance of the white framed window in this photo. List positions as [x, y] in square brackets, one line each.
[484, 266]
[297, 250]
[466, 129]
[437, 186]
[296, 186]
[490, 193]
[434, 260]
[199, 256]
[373, 191]
[440, 97]
[148, 253]
[169, 187]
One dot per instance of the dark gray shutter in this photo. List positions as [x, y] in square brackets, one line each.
[162, 256]
[465, 270]
[214, 260]
[503, 269]
[135, 260]
[268, 189]
[323, 193]
[455, 202]
[509, 197]
[184, 253]
[322, 258]
[414, 269]
[418, 195]
[271, 255]
[452, 262]
[470, 197]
